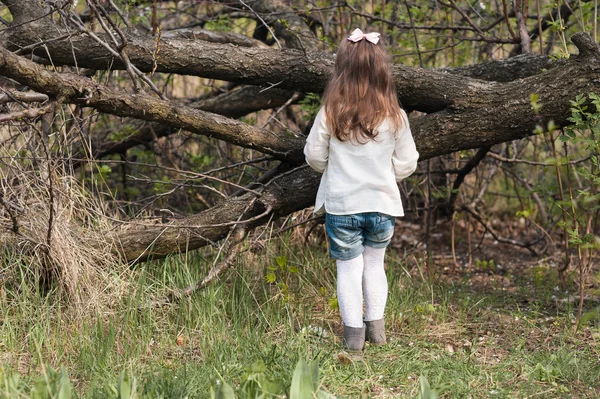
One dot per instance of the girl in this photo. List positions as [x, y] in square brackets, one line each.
[361, 142]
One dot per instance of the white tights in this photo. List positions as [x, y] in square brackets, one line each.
[365, 273]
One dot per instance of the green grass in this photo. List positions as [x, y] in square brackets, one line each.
[511, 337]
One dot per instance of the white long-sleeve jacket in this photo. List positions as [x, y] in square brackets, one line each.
[361, 178]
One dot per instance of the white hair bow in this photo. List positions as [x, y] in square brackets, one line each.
[357, 35]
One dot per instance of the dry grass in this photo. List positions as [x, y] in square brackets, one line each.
[53, 231]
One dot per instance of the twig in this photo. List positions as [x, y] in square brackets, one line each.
[118, 161]
[414, 31]
[263, 22]
[523, 34]
[121, 47]
[21, 97]
[43, 42]
[191, 226]
[293, 98]
[196, 175]
[13, 217]
[534, 195]
[453, 5]
[30, 113]
[510, 29]
[527, 162]
[13, 26]
[114, 7]
[460, 177]
[283, 229]
[234, 249]
[116, 54]
[470, 210]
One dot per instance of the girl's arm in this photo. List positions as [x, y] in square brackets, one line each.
[316, 149]
[405, 154]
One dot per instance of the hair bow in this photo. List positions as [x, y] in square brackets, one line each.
[357, 35]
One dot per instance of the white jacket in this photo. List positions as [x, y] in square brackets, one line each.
[361, 177]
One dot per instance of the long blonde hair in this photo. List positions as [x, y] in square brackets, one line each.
[361, 93]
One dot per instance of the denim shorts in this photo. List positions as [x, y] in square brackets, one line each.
[348, 234]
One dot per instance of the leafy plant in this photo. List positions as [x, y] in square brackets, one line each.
[426, 392]
[310, 104]
[255, 385]
[52, 385]
[280, 274]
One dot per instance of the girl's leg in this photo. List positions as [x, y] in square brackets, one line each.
[374, 283]
[349, 291]
[346, 245]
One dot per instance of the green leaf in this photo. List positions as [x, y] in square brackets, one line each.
[314, 370]
[281, 261]
[302, 381]
[587, 238]
[325, 395]
[124, 386]
[105, 169]
[333, 303]
[64, 386]
[270, 277]
[224, 391]
[426, 391]
[524, 213]
[538, 130]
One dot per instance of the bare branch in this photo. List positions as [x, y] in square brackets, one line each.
[30, 113]
[80, 90]
[13, 95]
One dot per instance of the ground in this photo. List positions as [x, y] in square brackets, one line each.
[500, 327]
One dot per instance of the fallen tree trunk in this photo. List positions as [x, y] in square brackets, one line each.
[485, 114]
[75, 89]
[435, 134]
[424, 90]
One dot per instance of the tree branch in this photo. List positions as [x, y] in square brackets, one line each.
[83, 91]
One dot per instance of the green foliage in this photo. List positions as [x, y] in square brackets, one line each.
[52, 385]
[255, 384]
[584, 131]
[426, 392]
[124, 387]
[200, 161]
[280, 274]
[310, 104]
[122, 133]
[485, 264]
[222, 24]
[535, 104]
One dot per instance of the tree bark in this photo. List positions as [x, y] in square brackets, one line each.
[419, 89]
[518, 67]
[80, 90]
[232, 104]
[477, 118]
[437, 134]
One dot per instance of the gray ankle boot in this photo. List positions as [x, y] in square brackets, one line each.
[354, 338]
[375, 333]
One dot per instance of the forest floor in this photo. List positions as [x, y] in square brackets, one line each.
[499, 326]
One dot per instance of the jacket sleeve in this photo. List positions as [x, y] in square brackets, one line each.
[316, 149]
[405, 154]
